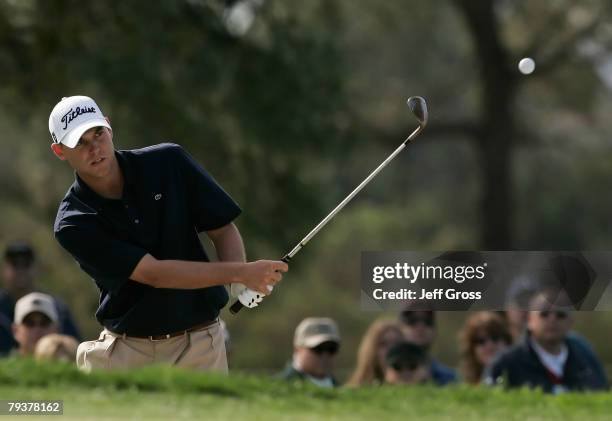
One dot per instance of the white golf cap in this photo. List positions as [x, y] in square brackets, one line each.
[35, 302]
[313, 331]
[72, 117]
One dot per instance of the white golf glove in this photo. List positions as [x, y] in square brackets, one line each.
[250, 298]
[236, 289]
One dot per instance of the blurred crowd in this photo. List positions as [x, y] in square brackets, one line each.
[512, 348]
[32, 322]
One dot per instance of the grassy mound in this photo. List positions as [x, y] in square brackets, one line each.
[168, 393]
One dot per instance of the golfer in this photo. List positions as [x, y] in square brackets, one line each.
[131, 220]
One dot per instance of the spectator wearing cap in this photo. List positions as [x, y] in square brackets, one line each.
[406, 363]
[315, 345]
[419, 327]
[370, 368]
[545, 358]
[35, 317]
[19, 274]
[56, 347]
[484, 335]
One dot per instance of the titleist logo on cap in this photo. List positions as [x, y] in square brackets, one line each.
[73, 116]
[74, 113]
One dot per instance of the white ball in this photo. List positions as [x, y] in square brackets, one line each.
[526, 66]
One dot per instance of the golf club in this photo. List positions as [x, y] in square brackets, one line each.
[418, 106]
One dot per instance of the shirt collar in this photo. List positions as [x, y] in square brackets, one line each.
[553, 363]
[560, 358]
[324, 382]
[126, 168]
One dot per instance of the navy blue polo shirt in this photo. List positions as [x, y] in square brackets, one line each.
[167, 199]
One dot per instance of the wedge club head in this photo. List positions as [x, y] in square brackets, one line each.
[418, 106]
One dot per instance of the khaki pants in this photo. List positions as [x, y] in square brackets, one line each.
[202, 349]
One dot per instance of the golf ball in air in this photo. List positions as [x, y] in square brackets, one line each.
[526, 66]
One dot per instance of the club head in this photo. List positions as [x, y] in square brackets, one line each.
[418, 106]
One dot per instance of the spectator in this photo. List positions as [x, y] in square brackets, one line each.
[518, 302]
[483, 336]
[406, 363]
[56, 347]
[419, 328]
[546, 358]
[19, 273]
[315, 345]
[35, 317]
[375, 344]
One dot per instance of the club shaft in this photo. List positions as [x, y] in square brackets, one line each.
[348, 198]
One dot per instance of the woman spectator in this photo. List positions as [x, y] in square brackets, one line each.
[483, 336]
[379, 337]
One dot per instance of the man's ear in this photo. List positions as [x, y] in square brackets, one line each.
[57, 150]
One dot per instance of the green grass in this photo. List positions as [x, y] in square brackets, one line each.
[166, 393]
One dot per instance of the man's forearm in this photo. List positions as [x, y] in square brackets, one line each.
[231, 269]
[180, 274]
[183, 274]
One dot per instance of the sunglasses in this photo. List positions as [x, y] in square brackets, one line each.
[37, 323]
[560, 315]
[326, 347]
[401, 366]
[19, 262]
[484, 339]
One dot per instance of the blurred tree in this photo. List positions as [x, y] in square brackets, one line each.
[551, 37]
[260, 111]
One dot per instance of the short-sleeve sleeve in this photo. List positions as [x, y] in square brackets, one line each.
[211, 206]
[108, 260]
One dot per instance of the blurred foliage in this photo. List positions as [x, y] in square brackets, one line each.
[292, 115]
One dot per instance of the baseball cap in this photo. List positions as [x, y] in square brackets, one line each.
[35, 301]
[72, 117]
[313, 331]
